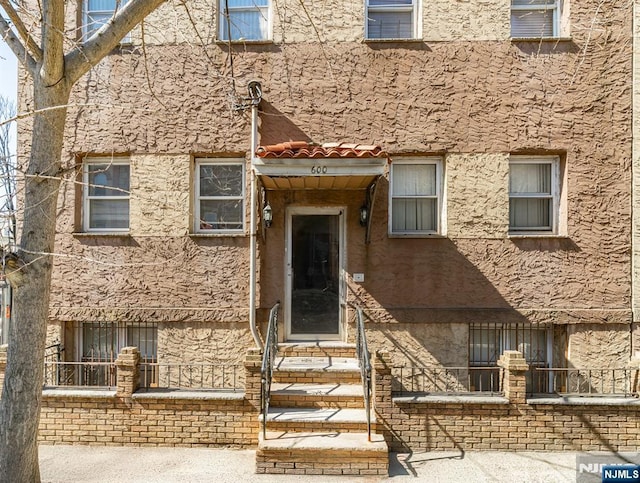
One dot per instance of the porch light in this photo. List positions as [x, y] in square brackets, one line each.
[267, 215]
[364, 215]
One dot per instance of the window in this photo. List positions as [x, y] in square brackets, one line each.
[102, 341]
[534, 18]
[219, 204]
[415, 196]
[391, 19]
[533, 194]
[98, 13]
[106, 195]
[244, 19]
[488, 341]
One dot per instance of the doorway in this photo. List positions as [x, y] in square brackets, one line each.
[314, 273]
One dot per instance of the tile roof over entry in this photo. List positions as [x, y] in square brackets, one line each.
[298, 165]
[303, 149]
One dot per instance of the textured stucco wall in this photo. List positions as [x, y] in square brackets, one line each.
[597, 346]
[327, 21]
[471, 101]
[483, 178]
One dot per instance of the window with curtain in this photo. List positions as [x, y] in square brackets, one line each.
[244, 20]
[533, 195]
[219, 191]
[391, 19]
[106, 195]
[99, 12]
[415, 197]
[534, 18]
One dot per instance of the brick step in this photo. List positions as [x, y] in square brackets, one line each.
[317, 370]
[317, 349]
[324, 453]
[318, 419]
[317, 395]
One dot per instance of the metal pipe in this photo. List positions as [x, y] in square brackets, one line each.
[253, 241]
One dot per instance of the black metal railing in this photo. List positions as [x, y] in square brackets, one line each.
[268, 360]
[192, 376]
[583, 382]
[422, 380]
[79, 374]
[364, 361]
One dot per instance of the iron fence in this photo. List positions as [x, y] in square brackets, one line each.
[415, 380]
[583, 382]
[79, 374]
[228, 377]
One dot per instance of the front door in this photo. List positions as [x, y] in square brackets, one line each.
[314, 274]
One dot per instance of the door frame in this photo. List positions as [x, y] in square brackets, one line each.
[291, 211]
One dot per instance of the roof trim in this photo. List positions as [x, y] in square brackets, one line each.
[303, 149]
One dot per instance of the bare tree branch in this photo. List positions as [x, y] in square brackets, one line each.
[106, 38]
[16, 46]
[52, 70]
[31, 44]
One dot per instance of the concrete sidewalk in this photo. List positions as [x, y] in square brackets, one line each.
[70, 464]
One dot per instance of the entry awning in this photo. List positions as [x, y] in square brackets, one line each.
[299, 165]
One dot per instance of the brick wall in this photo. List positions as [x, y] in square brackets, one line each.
[509, 423]
[146, 420]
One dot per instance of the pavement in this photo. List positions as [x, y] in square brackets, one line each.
[88, 464]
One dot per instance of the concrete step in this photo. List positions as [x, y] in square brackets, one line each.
[317, 349]
[318, 419]
[322, 453]
[317, 370]
[317, 395]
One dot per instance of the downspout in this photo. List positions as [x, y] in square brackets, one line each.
[255, 101]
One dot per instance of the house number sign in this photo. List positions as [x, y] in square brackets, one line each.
[318, 169]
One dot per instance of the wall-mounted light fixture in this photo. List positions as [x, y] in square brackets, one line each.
[364, 215]
[267, 215]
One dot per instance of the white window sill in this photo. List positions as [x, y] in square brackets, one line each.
[245, 41]
[102, 233]
[541, 39]
[416, 235]
[536, 235]
[218, 235]
[375, 41]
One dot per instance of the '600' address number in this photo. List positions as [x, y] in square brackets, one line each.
[318, 169]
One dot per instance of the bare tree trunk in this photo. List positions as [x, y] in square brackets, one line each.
[22, 392]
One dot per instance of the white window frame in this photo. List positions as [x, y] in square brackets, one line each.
[554, 196]
[265, 11]
[413, 8]
[86, 198]
[88, 30]
[433, 160]
[197, 198]
[540, 7]
[121, 336]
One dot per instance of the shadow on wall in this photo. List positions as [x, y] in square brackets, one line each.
[277, 127]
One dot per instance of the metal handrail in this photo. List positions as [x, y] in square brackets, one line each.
[268, 359]
[364, 361]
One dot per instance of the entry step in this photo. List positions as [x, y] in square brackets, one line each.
[314, 415]
[337, 364]
[322, 453]
[317, 349]
[323, 390]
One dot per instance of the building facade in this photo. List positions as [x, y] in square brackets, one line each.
[460, 171]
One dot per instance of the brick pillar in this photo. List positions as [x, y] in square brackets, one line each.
[515, 376]
[3, 365]
[128, 373]
[252, 366]
[382, 401]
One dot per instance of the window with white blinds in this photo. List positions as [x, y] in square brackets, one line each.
[391, 19]
[99, 12]
[534, 18]
[415, 196]
[244, 20]
[533, 194]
